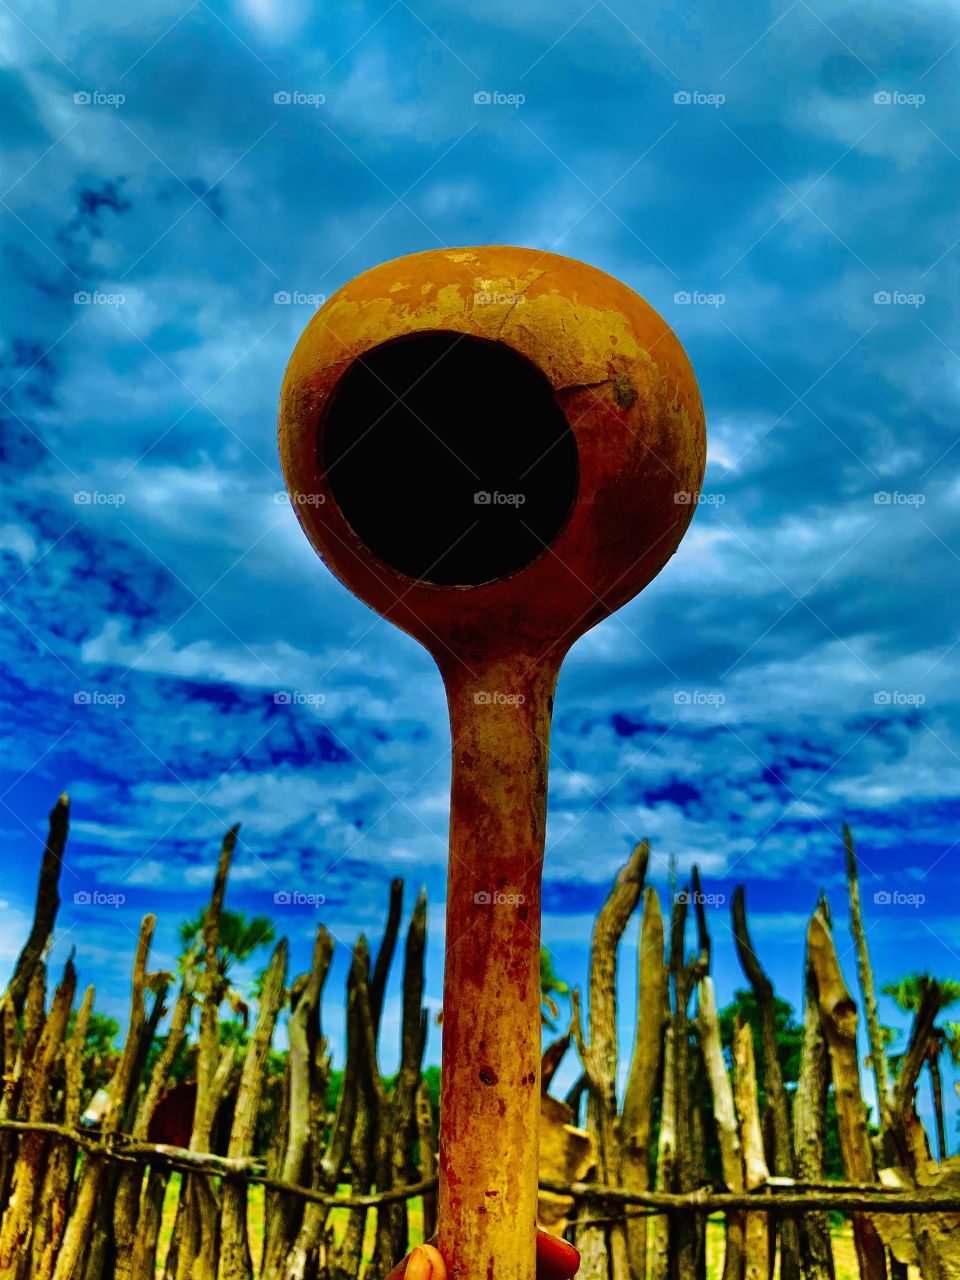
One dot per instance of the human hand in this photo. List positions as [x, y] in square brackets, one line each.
[556, 1260]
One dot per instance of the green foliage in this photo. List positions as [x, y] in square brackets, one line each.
[237, 938]
[832, 1155]
[100, 1050]
[550, 986]
[909, 991]
[181, 1069]
[951, 1031]
[789, 1034]
[431, 1078]
[102, 1033]
[334, 1085]
[789, 1046]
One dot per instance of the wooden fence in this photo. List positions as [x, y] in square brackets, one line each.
[82, 1203]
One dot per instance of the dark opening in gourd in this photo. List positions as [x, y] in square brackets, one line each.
[449, 457]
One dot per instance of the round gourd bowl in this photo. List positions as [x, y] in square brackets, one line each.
[492, 446]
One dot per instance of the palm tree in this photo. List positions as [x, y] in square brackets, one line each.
[908, 994]
[550, 985]
[237, 938]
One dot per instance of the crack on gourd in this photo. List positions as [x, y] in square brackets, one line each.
[520, 297]
[585, 386]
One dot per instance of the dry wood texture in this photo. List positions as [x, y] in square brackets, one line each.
[86, 1203]
[838, 1015]
[636, 1120]
[604, 1250]
[776, 1095]
[809, 1128]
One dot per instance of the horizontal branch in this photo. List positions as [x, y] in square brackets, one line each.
[706, 1201]
[247, 1168]
[350, 1202]
[120, 1148]
[772, 1198]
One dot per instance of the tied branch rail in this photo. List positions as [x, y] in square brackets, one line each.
[771, 1198]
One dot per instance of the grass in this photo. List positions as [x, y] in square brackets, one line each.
[338, 1219]
[844, 1253]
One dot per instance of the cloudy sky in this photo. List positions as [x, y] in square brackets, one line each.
[181, 188]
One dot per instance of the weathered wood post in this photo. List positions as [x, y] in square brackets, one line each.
[495, 448]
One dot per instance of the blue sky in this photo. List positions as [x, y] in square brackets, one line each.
[182, 184]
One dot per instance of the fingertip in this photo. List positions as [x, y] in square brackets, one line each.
[418, 1265]
[556, 1259]
[439, 1267]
